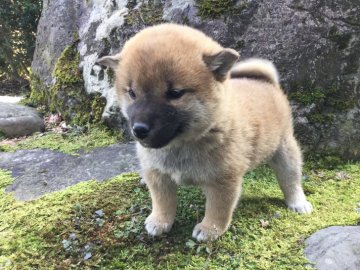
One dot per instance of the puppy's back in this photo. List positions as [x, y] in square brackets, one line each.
[261, 108]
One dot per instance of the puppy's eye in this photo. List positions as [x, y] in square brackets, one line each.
[131, 93]
[175, 94]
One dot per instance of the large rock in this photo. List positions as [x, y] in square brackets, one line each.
[17, 120]
[40, 171]
[335, 248]
[314, 44]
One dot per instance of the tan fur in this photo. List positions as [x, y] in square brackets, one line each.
[235, 125]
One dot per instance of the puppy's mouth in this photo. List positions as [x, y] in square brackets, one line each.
[161, 137]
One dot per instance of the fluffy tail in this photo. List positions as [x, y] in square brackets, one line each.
[257, 69]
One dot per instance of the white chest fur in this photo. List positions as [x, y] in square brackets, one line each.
[192, 163]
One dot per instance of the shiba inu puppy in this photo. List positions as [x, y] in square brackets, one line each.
[200, 120]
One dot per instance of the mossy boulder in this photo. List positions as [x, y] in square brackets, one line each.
[66, 93]
[313, 44]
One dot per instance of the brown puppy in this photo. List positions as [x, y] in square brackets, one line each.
[198, 120]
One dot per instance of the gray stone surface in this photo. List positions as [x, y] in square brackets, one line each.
[335, 248]
[58, 27]
[18, 120]
[314, 44]
[40, 171]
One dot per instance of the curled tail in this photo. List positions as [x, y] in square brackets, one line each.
[257, 69]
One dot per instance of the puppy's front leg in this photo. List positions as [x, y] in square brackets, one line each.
[163, 196]
[221, 200]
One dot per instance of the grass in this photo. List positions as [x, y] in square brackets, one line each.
[96, 225]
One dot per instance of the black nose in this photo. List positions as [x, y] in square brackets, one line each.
[141, 130]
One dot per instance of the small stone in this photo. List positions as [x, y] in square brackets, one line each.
[18, 120]
[100, 222]
[99, 213]
[134, 209]
[277, 214]
[87, 256]
[66, 244]
[72, 236]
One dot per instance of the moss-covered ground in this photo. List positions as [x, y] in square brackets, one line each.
[96, 225]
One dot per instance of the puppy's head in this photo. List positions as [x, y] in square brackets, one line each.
[169, 79]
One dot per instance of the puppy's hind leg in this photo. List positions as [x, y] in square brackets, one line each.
[287, 164]
[163, 196]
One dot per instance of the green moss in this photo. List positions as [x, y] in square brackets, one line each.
[329, 161]
[149, 13]
[340, 103]
[106, 46]
[38, 234]
[240, 45]
[111, 75]
[321, 118]
[211, 9]
[131, 18]
[38, 95]
[76, 36]
[97, 108]
[152, 13]
[341, 39]
[2, 134]
[67, 94]
[308, 97]
[31, 233]
[323, 97]
[327, 101]
[69, 87]
[69, 143]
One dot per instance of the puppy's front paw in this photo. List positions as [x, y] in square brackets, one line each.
[156, 226]
[204, 233]
[302, 207]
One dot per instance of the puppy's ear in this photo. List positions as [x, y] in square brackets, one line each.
[221, 63]
[109, 61]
